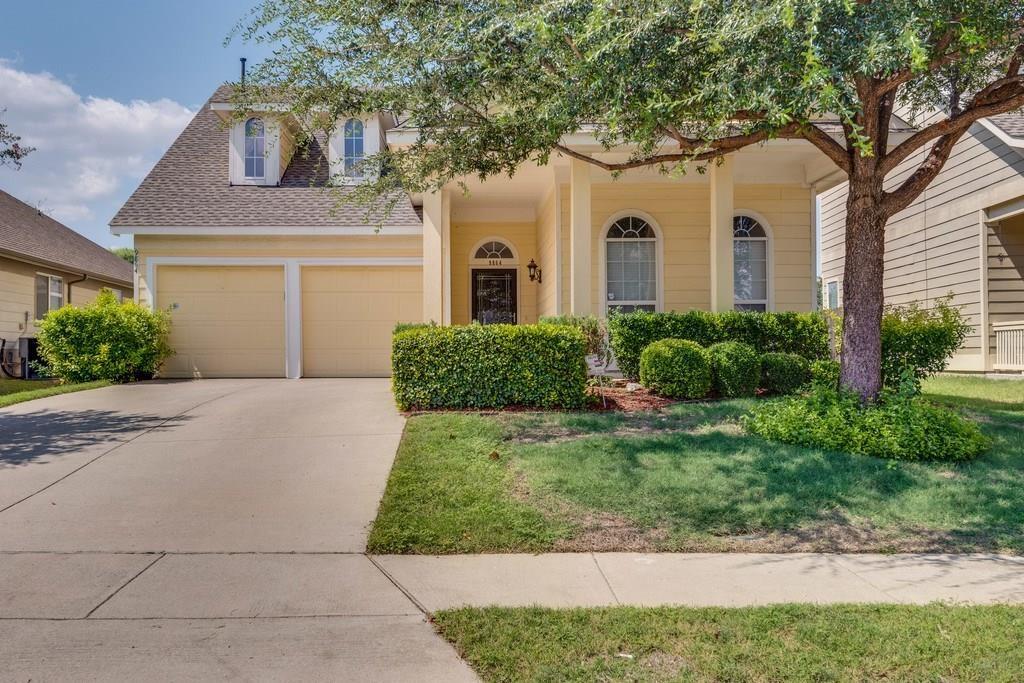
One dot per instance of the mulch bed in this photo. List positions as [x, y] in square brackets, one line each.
[618, 398]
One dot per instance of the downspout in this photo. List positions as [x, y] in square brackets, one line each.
[75, 282]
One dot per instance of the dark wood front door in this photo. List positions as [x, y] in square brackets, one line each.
[495, 295]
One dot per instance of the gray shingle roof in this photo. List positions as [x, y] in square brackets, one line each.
[189, 187]
[1011, 123]
[28, 233]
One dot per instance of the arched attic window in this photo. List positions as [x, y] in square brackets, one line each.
[255, 148]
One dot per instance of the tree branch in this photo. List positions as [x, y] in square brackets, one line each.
[953, 124]
[827, 144]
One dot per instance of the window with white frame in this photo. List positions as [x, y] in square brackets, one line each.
[353, 151]
[631, 265]
[832, 296]
[750, 264]
[255, 148]
[49, 294]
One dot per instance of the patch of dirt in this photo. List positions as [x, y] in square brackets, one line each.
[617, 397]
[601, 532]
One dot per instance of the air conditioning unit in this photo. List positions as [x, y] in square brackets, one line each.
[28, 351]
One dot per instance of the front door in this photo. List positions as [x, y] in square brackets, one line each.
[494, 295]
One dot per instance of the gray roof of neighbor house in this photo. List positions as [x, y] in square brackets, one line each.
[27, 233]
[1011, 123]
[189, 187]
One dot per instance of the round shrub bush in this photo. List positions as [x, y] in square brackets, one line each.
[736, 369]
[676, 368]
[117, 342]
[784, 373]
[899, 427]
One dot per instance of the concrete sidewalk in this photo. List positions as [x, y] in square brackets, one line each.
[727, 580]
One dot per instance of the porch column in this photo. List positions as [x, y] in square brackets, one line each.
[580, 229]
[721, 235]
[436, 258]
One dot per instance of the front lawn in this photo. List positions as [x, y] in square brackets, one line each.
[780, 643]
[19, 390]
[689, 479]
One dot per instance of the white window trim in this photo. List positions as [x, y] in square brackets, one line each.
[769, 303]
[659, 254]
[490, 263]
[826, 304]
[292, 288]
[50, 277]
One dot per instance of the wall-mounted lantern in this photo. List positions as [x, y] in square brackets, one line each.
[535, 272]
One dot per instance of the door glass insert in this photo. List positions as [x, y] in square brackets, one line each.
[494, 295]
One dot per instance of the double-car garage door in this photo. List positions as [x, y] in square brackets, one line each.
[232, 321]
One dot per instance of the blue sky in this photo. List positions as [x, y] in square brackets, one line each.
[101, 89]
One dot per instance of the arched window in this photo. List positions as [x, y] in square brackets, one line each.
[631, 265]
[255, 149]
[353, 152]
[750, 264]
[493, 250]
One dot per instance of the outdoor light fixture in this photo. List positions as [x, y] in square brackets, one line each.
[535, 272]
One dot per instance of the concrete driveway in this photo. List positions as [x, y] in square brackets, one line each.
[206, 530]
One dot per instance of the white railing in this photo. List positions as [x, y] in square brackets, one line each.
[1009, 345]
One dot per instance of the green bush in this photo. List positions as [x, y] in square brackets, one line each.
[676, 368]
[736, 368]
[921, 340]
[591, 327]
[489, 366]
[805, 334]
[104, 340]
[825, 373]
[402, 327]
[784, 373]
[899, 426]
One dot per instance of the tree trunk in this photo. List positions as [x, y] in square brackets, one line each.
[861, 359]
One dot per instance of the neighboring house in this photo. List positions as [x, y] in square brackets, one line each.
[266, 276]
[964, 236]
[45, 265]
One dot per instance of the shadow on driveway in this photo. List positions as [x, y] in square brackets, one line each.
[28, 437]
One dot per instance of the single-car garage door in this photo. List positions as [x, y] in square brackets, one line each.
[226, 321]
[348, 314]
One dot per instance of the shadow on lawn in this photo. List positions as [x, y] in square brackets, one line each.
[722, 484]
[28, 437]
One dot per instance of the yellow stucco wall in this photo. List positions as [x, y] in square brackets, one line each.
[465, 237]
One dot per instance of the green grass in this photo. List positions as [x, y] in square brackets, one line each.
[782, 643]
[689, 479]
[20, 390]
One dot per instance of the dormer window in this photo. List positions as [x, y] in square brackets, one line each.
[353, 156]
[255, 149]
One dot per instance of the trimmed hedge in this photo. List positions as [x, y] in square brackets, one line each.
[805, 334]
[489, 366]
[825, 373]
[590, 326]
[736, 369]
[676, 368]
[784, 373]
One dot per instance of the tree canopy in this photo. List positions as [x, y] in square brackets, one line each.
[11, 149]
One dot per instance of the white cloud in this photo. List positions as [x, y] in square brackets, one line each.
[91, 152]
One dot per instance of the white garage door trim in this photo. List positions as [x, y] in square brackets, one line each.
[292, 287]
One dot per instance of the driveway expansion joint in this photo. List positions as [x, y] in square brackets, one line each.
[122, 586]
[394, 582]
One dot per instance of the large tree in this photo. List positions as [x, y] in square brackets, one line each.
[491, 85]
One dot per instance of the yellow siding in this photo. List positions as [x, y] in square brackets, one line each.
[348, 314]
[226, 321]
[18, 299]
[465, 236]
